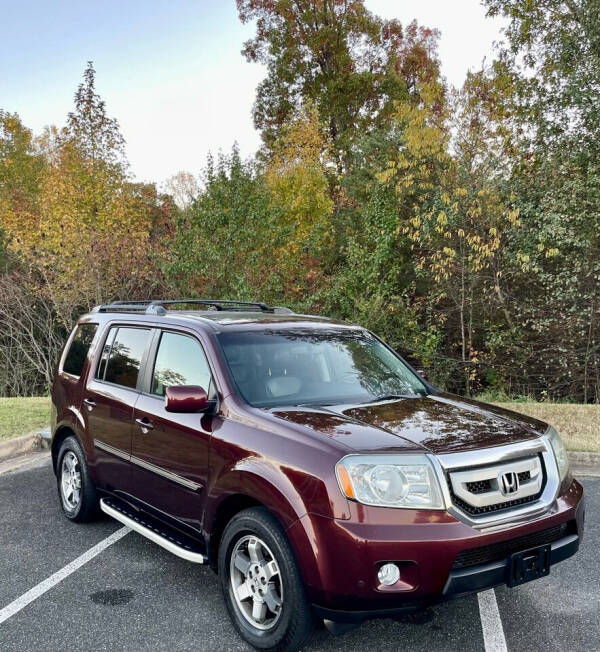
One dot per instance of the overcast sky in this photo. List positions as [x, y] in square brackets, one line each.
[171, 71]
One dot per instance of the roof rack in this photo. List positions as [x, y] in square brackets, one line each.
[157, 306]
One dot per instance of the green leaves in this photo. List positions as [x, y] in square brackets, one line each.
[349, 63]
[69, 211]
[461, 225]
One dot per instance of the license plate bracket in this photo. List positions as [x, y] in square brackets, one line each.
[529, 565]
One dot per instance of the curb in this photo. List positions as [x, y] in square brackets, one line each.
[585, 463]
[585, 458]
[25, 444]
[25, 461]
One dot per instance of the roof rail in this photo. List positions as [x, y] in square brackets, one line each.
[158, 306]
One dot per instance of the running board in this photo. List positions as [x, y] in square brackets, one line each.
[174, 542]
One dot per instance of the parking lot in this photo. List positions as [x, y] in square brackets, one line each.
[133, 595]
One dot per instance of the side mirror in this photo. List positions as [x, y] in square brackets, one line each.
[186, 398]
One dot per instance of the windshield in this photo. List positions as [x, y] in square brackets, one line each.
[320, 367]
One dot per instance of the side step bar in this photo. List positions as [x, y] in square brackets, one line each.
[174, 543]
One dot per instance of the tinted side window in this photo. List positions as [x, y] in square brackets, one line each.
[180, 361]
[126, 355]
[80, 345]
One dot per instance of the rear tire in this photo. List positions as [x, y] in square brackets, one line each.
[261, 583]
[77, 494]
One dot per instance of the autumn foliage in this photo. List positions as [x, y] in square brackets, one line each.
[462, 225]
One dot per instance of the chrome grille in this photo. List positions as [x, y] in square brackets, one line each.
[495, 487]
[531, 461]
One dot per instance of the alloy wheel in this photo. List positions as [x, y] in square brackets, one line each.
[256, 582]
[70, 480]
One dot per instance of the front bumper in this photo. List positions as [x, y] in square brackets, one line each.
[340, 558]
[485, 576]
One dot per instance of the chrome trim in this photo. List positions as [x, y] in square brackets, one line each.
[494, 455]
[166, 474]
[112, 450]
[195, 557]
[497, 455]
[460, 479]
[148, 466]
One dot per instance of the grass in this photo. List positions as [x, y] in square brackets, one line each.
[22, 416]
[579, 425]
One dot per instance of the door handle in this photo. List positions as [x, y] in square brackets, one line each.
[145, 424]
[89, 403]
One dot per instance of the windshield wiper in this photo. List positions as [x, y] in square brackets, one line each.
[390, 397]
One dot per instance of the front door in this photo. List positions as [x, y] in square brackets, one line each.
[170, 450]
[108, 400]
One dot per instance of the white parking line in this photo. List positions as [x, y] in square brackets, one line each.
[493, 632]
[41, 588]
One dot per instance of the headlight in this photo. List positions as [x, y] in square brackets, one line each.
[560, 452]
[407, 481]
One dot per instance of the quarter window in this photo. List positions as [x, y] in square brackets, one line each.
[180, 361]
[124, 357]
[80, 345]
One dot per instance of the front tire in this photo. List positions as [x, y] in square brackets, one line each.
[76, 491]
[261, 584]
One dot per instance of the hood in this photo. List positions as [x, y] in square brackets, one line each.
[440, 423]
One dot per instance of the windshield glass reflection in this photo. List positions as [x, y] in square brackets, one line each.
[325, 367]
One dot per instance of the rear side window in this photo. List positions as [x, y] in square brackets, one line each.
[78, 350]
[180, 361]
[122, 356]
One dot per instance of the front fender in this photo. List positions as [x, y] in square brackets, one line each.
[261, 481]
[290, 495]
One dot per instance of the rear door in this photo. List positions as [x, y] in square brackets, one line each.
[170, 450]
[110, 395]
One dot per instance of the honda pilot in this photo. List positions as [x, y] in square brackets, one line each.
[305, 462]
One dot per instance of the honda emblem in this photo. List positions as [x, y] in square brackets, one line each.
[509, 483]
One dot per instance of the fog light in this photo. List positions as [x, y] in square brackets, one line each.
[388, 574]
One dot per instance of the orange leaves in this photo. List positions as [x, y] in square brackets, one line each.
[85, 229]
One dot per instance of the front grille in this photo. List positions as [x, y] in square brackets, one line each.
[503, 549]
[478, 511]
[479, 487]
[483, 486]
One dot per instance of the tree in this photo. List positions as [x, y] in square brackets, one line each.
[218, 249]
[30, 338]
[88, 225]
[94, 134]
[351, 64]
[21, 166]
[552, 57]
[454, 216]
[184, 189]
[259, 231]
[553, 50]
[296, 180]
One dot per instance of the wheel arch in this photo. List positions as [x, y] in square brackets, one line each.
[227, 509]
[254, 484]
[61, 433]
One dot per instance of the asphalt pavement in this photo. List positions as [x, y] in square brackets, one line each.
[133, 595]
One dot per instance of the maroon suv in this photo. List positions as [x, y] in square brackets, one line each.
[315, 471]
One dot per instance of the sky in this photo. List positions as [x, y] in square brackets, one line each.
[171, 71]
